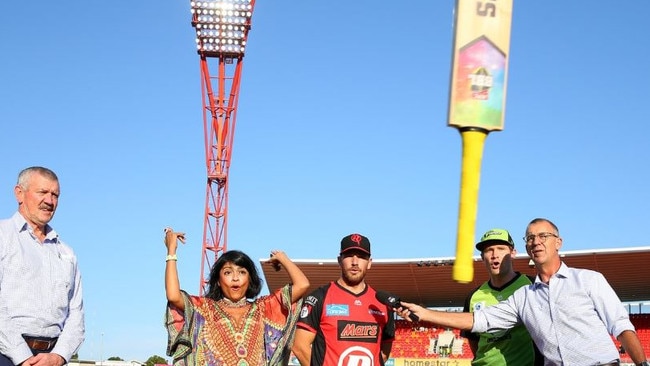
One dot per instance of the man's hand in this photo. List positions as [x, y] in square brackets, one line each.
[44, 359]
[407, 310]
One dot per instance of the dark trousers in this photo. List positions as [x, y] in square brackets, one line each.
[5, 361]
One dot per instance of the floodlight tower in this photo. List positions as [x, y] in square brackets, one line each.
[222, 28]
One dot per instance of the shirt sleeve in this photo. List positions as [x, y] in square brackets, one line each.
[388, 335]
[179, 326]
[73, 332]
[280, 317]
[312, 309]
[466, 309]
[503, 315]
[11, 342]
[607, 304]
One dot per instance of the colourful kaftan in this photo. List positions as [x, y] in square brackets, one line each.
[204, 335]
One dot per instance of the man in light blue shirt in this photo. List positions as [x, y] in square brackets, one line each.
[41, 307]
[570, 313]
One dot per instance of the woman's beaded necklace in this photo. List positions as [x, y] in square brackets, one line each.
[240, 333]
[227, 303]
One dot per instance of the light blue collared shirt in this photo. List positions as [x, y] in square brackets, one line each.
[571, 319]
[40, 291]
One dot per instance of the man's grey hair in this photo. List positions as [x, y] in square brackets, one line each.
[25, 174]
[541, 219]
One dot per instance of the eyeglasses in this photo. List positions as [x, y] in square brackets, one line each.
[529, 239]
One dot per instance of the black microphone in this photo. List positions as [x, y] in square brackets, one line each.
[394, 302]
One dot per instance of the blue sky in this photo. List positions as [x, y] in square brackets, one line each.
[341, 128]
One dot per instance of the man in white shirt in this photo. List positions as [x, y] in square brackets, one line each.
[41, 307]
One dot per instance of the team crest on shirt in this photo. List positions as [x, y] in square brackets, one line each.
[337, 310]
[478, 306]
[306, 309]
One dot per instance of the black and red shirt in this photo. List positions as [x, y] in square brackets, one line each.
[350, 328]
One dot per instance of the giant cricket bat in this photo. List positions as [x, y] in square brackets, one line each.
[476, 104]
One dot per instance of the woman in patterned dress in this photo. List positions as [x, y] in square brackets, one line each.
[230, 325]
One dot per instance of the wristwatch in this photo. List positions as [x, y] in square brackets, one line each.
[644, 363]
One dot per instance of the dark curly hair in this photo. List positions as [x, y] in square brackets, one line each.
[240, 259]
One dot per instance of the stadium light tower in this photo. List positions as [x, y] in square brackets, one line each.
[222, 28]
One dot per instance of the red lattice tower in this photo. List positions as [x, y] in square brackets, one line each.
[222, 28]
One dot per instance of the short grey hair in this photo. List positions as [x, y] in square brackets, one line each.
[541, 219]
[25, 174]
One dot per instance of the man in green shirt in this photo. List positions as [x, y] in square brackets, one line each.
[509, 347]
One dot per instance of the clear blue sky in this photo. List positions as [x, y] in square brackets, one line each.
[341, 128]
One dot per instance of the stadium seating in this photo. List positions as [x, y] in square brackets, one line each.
[642, 324]
[415, 341]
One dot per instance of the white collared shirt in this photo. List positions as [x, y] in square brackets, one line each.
[40, 291]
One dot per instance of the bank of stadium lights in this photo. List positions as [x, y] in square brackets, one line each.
[436, 263]
[221, 25]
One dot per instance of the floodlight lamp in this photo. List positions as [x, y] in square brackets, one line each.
[223, 23]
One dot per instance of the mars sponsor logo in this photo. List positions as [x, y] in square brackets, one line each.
[357, 331]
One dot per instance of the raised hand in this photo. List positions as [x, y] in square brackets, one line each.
[172, 238]
[276, 259]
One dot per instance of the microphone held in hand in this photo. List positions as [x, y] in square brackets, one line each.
[393, 302]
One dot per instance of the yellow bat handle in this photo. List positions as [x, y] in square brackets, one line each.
[473, 142]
